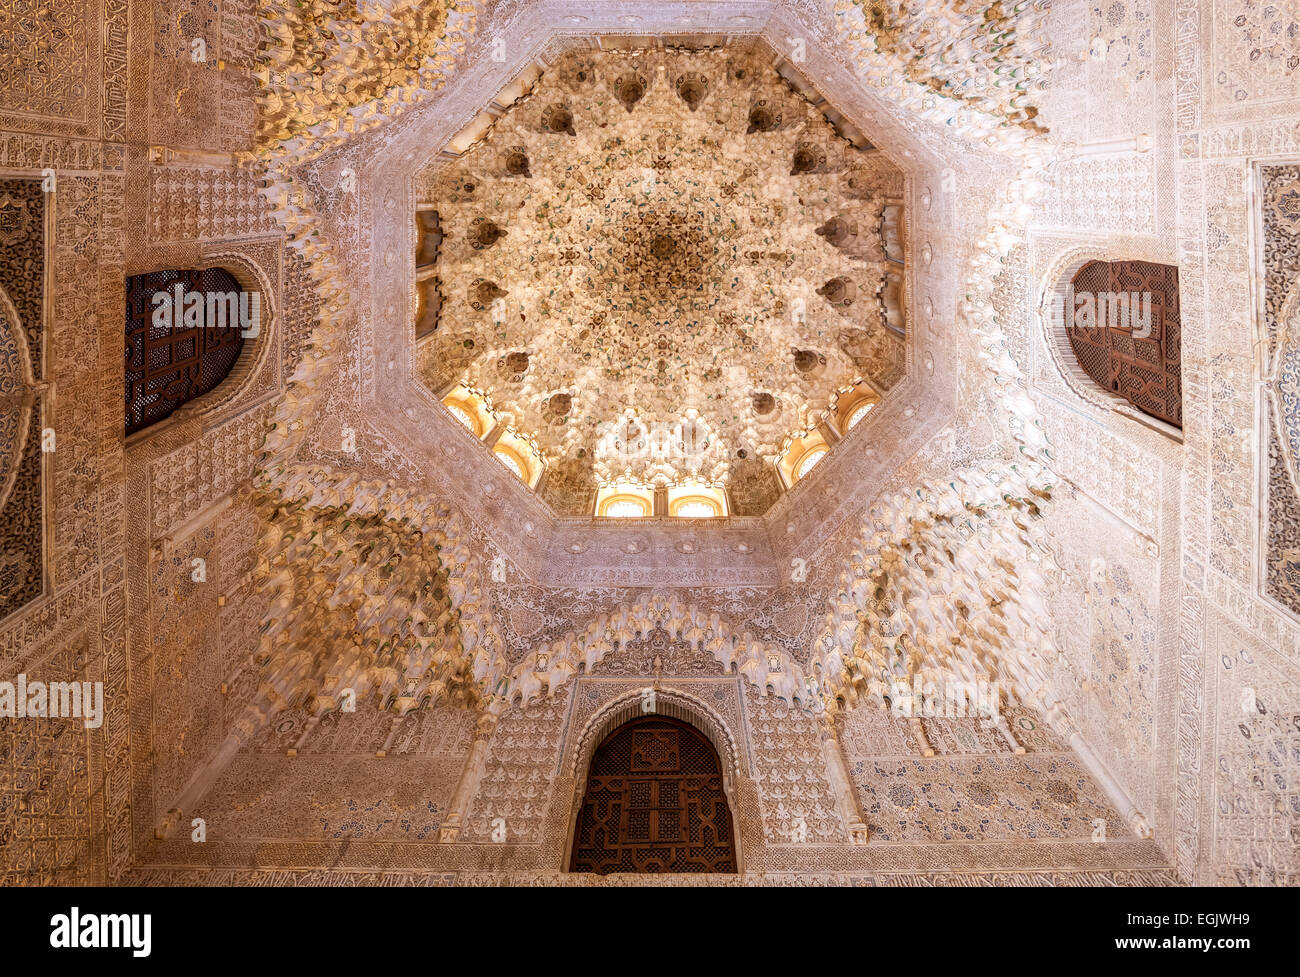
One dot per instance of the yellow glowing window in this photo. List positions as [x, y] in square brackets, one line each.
[627, 508]
[510, 463]
[809, 460]
[462, 416]
[859, 414]
[697, 510]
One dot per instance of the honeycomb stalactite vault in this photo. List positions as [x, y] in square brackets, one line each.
[783, 279]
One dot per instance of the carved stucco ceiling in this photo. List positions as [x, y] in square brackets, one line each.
[873, 623]
[673, 233]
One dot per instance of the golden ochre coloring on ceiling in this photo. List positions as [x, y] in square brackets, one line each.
[332, 628]
[672, 233]
[322, 59]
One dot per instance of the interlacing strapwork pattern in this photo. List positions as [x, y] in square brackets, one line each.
[22, 283]
[1281, 246]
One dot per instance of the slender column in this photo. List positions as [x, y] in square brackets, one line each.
[163, 156]
[829, 432]
[999, 723]
[393, 727]
[780, 477]
[254, 718]
[838, 774]
[918, 731]
[25, 396]
[467, 785]
[1060, 721]
[307, 729]
[661, 502]
[1109, 147]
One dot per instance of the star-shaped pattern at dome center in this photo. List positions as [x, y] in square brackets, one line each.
[666, 231]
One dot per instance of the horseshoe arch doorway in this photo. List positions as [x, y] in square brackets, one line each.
[654, 802]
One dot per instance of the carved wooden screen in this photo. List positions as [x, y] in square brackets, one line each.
[1107, 324]
[167, 363]
[654, 803]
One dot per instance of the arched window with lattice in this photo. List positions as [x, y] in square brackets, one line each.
[654, 802]
[1121, 318]
[185, 330]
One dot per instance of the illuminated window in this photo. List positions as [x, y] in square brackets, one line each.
[627, 508]
[807, 462]
[626, 500]
[470, 408]
[697, 500]
[859, 414]
[463, 416]
[696, 510]
[510, 462]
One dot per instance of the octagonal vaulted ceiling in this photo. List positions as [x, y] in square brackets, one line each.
[876, 525]
[661, 264]
[537, 538]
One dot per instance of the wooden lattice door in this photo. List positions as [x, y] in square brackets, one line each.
[1142, 365]
[654, 803]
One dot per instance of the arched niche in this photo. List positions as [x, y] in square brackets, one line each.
[238, 386]
[1058, 305]
[653, 802]
[675, 704]
[670, 709]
